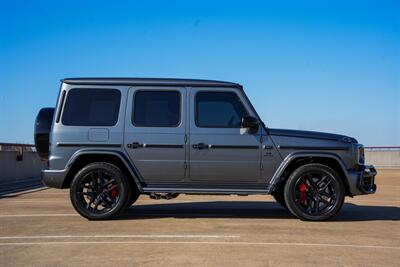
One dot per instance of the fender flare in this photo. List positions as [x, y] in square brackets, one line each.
[129, 165]
[276, 178]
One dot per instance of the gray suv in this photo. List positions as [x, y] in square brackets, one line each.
[111, 139]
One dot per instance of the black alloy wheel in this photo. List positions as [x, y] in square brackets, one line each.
[314, 192]
[99, 191]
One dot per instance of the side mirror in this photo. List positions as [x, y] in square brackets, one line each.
[250, 123]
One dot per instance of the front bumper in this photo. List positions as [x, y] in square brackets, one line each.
[53, 178]
[362, 180]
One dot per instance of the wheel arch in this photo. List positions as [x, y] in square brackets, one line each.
[83, 158]
[295, 160]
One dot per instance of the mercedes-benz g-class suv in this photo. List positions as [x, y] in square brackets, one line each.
[112, 139]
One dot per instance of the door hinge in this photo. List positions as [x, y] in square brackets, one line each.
[185, 165]
[261, 167]
[185, 138]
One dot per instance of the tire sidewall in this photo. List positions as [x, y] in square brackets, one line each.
[123, 191]
[290, 189]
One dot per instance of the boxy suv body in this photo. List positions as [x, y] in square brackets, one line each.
[111, 139]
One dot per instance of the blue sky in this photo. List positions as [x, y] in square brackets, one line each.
[319, 65]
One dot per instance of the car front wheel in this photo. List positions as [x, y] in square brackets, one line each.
[314, 192]
[99, 191]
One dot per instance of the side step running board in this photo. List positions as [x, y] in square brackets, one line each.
[212, 191]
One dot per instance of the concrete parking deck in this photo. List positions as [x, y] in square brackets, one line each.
[41, 228]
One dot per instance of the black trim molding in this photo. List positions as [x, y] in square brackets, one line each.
[138, 145]
[86, 145]
[162, 146]
[315, 147]
[234, 147]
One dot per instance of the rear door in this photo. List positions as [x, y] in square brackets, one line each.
[155, 128]
[221, 153]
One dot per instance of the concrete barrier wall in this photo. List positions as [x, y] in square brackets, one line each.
[383, 158]
[12, 170]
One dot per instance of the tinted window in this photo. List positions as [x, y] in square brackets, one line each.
[219, 109]
[156, 109]
[91, 107]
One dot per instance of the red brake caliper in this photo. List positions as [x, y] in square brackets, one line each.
[303, 193]
[114, 192]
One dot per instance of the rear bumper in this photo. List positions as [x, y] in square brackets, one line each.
[53, 178]
[362, 181]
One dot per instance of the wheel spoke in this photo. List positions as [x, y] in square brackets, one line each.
[328, 202]
[111, 188]
[309, 203]
[107, 203]
[325, 194]
[101, 181]
[325, 186]
[316, 208]
[95, 181]
[90, 194]
[108, 183]
[322, 180]
[311, 181]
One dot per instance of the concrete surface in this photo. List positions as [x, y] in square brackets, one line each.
[42, 229]
[383, 158]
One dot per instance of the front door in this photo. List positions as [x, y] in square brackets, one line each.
[221, 153]
[155, 133]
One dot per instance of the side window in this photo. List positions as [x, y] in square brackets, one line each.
[156, 109]
[91, 107]
[219, 110]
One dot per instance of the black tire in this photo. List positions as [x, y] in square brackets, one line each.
[311, 185]
[99, 184]
[279, 196]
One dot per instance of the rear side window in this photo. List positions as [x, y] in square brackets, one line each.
[156, 109]
[219, 110]
[91, 107]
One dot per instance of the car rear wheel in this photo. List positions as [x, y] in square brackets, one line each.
[314, 192]
[99, 191]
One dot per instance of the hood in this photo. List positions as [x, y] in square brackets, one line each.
[312, 135]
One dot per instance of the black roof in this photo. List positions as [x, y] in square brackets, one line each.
[149, 81]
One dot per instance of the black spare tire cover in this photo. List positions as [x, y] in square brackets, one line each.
[43, 124]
